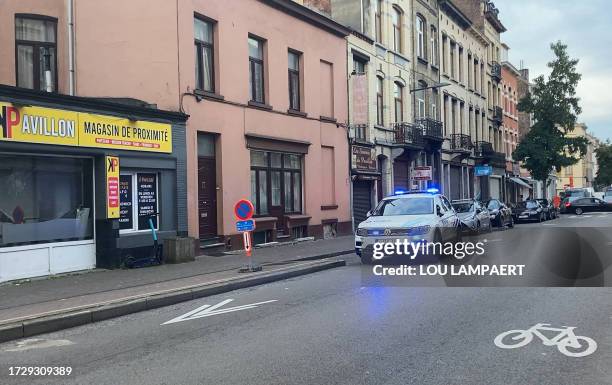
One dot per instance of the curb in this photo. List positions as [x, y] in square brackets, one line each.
[47, 324]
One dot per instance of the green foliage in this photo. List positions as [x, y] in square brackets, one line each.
[604, 163]
[554, 106]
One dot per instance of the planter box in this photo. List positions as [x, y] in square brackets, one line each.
[179, 250]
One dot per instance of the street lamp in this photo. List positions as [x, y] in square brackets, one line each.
[438, 85]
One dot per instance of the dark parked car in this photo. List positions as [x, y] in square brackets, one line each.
[549, 209]
[500, 214]
[585, 205]
[530, 210]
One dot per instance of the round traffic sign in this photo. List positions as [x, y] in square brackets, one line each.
[243, 209]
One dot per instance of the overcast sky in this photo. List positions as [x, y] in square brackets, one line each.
[585, 26]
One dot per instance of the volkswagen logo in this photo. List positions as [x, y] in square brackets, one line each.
[387, 232]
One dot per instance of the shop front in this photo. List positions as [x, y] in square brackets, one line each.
[80, 179]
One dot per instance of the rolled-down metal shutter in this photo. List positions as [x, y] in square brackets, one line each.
[361, 200]
[455, 183]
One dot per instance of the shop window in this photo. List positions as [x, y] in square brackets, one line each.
[299, 232]
[138, 192]
[36, 52]
[45, 199]
[276, 182]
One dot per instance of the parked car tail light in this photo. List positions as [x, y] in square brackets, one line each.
[567, 204]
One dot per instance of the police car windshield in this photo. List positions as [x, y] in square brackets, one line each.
[404, 206]
[465, 207]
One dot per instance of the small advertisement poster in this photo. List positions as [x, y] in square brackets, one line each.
[112, 187]
[147, 200]
[126, 220]
[422, 173]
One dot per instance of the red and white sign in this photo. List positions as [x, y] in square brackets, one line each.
[248, 247]
[422, 173]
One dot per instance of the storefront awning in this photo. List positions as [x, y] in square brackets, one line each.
[520, 182]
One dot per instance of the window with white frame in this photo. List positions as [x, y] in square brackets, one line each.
[139, 201]
[420, 26]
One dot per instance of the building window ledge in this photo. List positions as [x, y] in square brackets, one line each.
[297, 113]
[327, 119]
[329, 207]
[262, 106]
[208, 95]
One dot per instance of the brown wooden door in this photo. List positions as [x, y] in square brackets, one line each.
[207, 197]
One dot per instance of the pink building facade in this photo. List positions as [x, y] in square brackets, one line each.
[263, 82]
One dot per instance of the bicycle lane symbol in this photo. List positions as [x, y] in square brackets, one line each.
[566, 341]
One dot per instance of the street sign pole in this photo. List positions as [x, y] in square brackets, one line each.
[244, 210]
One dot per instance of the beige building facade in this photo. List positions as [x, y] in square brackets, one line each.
[582, 173]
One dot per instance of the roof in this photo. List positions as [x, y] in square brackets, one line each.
[309, 16]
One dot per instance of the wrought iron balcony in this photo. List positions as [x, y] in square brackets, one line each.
[498, 114]
[407, 134]
[461, 143]
[498, 159]
[432, 129]
[483, 149]
[496, 71]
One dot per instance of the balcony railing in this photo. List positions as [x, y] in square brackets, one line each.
[461, 143]
[496, 71]
[361, 132]
[432, 129]
[498, 114]
[498, 159]
[483, 149]
[406, 133]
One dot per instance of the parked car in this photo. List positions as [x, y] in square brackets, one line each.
[585, 205]
[473, 215]
[530, 210]
[549, 209]
[499, 213]
[607, 196]
[416, 216]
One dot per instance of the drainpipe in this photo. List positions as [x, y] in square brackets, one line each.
[71, 74]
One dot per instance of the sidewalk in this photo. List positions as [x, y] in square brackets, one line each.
[168, 283]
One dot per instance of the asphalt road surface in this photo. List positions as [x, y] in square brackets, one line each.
[338, 327]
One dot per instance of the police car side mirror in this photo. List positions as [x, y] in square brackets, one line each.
[439, 211]
[368, 214]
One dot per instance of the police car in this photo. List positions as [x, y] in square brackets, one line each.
[416, 216]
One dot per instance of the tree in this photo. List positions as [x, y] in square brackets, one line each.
[554, 106]
[604, 164]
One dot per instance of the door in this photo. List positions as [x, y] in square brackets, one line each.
[361, 200]
[207, 197]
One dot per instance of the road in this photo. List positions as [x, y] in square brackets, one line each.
[341, 327]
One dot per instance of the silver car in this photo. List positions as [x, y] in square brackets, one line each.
[473, 215]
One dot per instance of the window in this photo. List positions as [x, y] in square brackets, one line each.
[294, 80]
[469, 71]
[359, 65]
[36, 52]
[379, 101]
[378, 21]
[476, 77]
[453, 47]
[399, 102]
[420, 95]
[397, 30]
[204, 53]
[434, 46]
[276, 182]
[420, 43]
[328, 180]
[444, 55]
[433, 104]
[256, 70]
[460, 65]
[137, 201]
[45, 199]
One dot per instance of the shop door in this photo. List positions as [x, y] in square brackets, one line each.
[455, 183]
[207, 197]
[401, 179]
[278, 180]
[361, 200]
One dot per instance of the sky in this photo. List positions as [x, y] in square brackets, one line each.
[585, 27]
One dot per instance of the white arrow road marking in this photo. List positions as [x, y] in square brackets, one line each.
[207, 310]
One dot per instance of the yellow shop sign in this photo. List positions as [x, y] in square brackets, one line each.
[69, 128]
